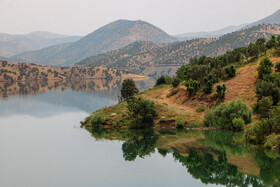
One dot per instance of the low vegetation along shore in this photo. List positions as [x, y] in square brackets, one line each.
[237, 91]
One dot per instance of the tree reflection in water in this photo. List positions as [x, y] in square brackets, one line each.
[207, 158]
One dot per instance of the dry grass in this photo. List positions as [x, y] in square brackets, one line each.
[177, 103]
[13, 70]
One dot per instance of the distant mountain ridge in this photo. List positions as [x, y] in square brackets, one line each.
[272, 19]
[149, 63]
[110, 37]
[11, 45]
[211, 34]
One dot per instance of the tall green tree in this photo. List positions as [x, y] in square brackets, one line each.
[128, 89]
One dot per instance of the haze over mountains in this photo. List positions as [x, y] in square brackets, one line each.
[142, 48]
[151, 62]
[110, 37]
[211, 34]
[272, 19]
[11, 45]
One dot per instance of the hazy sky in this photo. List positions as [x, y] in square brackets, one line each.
[80, 17]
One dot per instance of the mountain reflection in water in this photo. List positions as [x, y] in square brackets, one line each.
[214, 157]
[47, 98]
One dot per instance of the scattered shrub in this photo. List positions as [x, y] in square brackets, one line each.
[264, 127]
[221, 91]
[193, 86]
[223, 115]
[175, 82]
[258, 132]
[263, 106]
[238, 124]
[97, 120]
[265, 68]
[180, 124]
[272, 42]
[230, 71]
[271, 141]
[160, 81]
[200, 109]
[265, 88]
[142, 112]
[209, 82]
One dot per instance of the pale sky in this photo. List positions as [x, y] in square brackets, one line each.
[80, 17]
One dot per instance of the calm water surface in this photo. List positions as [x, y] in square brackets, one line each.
[42, 144]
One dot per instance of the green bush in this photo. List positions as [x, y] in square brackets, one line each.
[180, 124]
[168, 80]
[263, 106]
[276, 52]
[265, 68]
[193, 86]
[160, 81]
[271, 141]
[221, 91]
[142, 112]
[97, 120]
[258, 132]
[200, 109]
[272, 42]
[175, 82]
[223, 115]
[238, 124]
[163, 80]
[209, 82]
[265, 88]
[230, 71]
[277, 67]
[128, 89]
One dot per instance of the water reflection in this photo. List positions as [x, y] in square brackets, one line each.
[213, 157]
[43, 99]
[34, 87]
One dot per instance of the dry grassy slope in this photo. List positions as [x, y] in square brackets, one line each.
[33, 72]
[175, 103]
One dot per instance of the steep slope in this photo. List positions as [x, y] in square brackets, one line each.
[173, 55]
[211, 34]
[11, 45]
[126, 52]
[110, 37]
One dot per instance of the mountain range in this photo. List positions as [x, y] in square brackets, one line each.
[143, 48]
[165, 59]
[272, 19]
[110, 37]
[211, 34]
[11, 45]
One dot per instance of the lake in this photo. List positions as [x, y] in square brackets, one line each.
[42, 144]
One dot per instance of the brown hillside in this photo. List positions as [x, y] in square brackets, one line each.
[11, 72]
[171, 56]
[187, 107]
